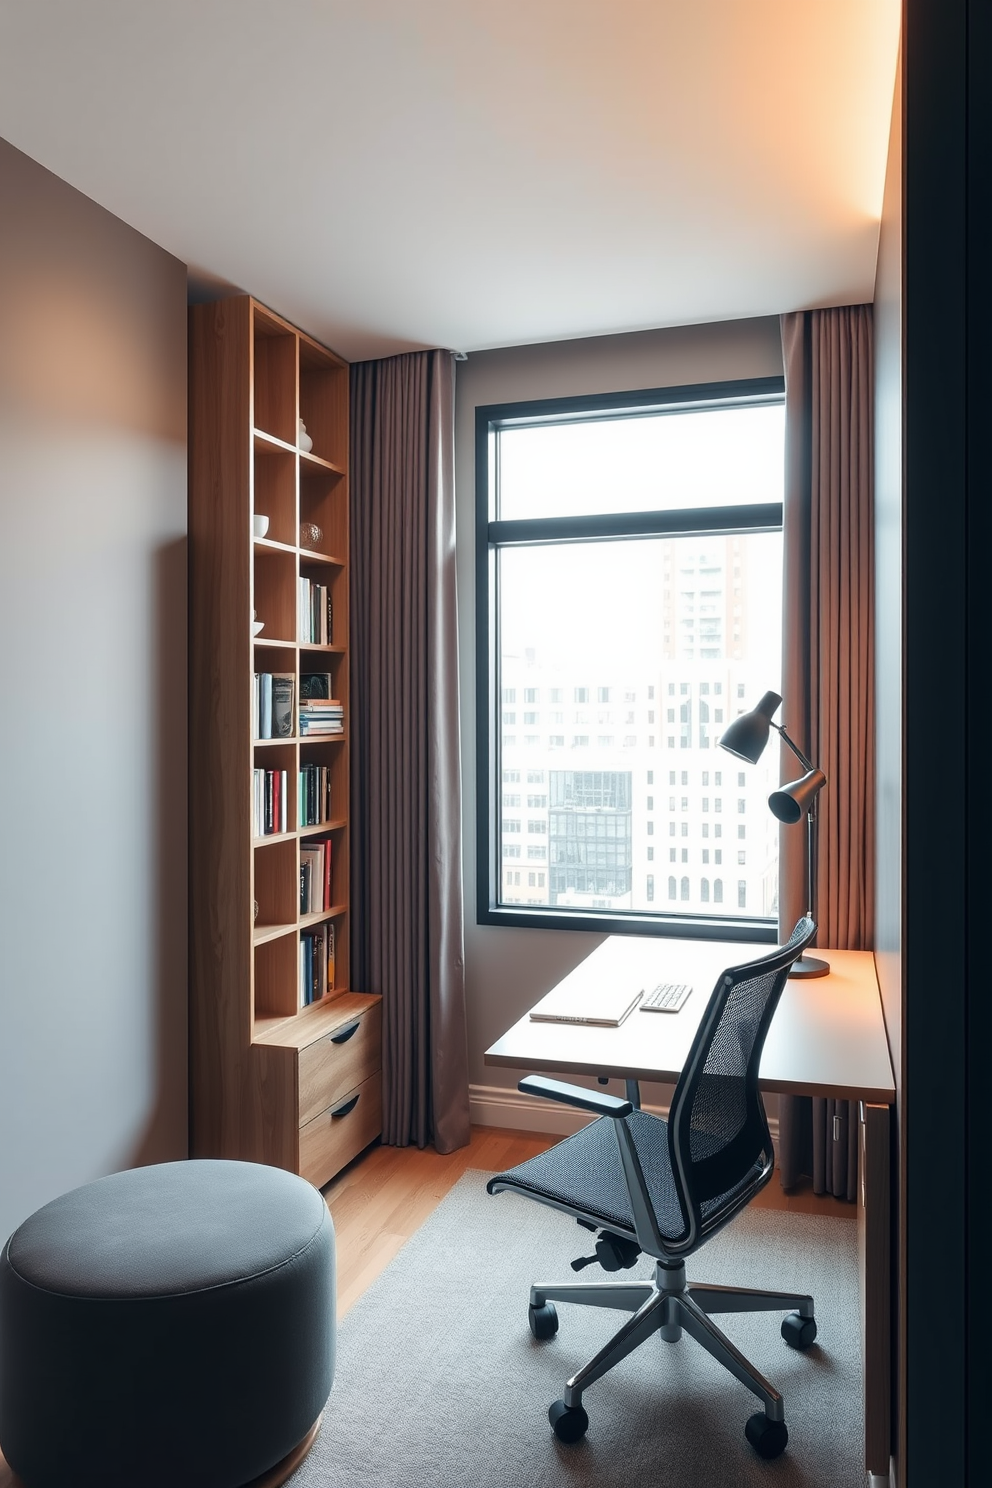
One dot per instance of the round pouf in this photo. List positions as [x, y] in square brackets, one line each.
[168, 1327]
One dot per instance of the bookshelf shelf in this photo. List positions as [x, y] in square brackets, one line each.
[309, 555]
[321, 915]
[311, 464]
[263, 933]
[253, 377]
[336, 825]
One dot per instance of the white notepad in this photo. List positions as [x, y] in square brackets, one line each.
[606, 1007]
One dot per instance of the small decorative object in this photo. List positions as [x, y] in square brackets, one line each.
[254, 909]
[306, 443]
[259, 526]
[256, 625]
[310, 535]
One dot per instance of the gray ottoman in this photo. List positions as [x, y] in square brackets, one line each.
[169, 1327]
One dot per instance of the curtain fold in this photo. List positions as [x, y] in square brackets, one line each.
[407, 912]
[828, 676]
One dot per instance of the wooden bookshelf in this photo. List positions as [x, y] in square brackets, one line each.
[272, 1081]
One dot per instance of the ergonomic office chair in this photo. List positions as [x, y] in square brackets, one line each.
[664, 1187]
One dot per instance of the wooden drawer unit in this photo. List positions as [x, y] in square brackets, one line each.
[339, 1062]
[336, 1135]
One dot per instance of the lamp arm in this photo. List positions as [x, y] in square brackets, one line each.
[806, 764]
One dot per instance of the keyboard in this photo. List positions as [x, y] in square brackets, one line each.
[667, 997]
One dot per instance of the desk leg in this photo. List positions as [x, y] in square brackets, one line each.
[874, 1258]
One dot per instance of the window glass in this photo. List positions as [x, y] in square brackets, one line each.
[596, 626]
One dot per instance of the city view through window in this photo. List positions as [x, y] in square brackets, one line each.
[621, 662]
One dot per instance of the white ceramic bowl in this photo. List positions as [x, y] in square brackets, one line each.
[259, 526]
[256, 626]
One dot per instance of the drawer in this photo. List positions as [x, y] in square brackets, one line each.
[339, 1062]
[329, 1141]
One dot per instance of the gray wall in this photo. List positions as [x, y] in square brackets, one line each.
[92, 692]
[507, 970]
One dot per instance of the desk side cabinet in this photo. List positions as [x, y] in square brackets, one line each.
[875, 1270]
[285, 1055]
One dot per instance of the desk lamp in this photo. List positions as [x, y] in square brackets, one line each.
[746, 737]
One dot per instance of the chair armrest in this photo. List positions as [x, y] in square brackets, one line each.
[576, 1095]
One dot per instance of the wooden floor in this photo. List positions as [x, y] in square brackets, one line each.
[384, 1197]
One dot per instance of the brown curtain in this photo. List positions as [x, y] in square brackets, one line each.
[828, 676]
[408, 925]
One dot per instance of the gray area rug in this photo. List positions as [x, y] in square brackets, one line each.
[439, 1382]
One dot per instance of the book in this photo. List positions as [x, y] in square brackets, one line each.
[283, 686]
[601, 1006]
[330, 956]
[265, 705]
[315, 685]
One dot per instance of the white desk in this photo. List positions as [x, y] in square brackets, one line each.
[827, 1038]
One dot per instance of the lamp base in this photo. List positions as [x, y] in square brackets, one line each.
[809, 966]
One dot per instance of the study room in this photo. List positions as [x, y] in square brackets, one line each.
[509, 1010]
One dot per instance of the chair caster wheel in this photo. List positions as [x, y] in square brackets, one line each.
[798, 1332]
[543, 1320]
[568, 1422]
[768, 1438]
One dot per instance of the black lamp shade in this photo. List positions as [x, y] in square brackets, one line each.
[747, 736]
[791, 802]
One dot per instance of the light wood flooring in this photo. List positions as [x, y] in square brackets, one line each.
[385, 1195]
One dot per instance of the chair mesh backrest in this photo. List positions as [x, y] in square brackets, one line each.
[717, 1124]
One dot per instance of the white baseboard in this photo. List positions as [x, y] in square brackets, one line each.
[501, 1105]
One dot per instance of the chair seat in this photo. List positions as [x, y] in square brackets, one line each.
[584, 1172]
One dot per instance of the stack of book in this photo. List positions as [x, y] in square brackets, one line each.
[315, 877]
[315, 613]
[270, 798]
[315, 795]
[321, 716]
[316, 963]
[272, 704]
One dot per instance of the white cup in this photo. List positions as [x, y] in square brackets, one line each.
[259, 526]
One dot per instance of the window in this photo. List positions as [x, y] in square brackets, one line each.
[650, 887]
[586, 496]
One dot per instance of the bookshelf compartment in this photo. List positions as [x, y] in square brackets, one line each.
[334, 578]
[330, 752]
[324, 401]
[324, 500]
[277, 977]
[277, 885]
[274, 592]
[274, 491]
[279, 758]
[274, 377]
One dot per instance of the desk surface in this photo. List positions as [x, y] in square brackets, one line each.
[827, 1036]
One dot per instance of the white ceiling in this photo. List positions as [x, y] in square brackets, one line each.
[392, 174]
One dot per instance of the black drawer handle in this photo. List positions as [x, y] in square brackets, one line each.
[346, 1033]
[349, 1105]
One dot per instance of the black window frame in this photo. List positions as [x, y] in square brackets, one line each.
[493, 534]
